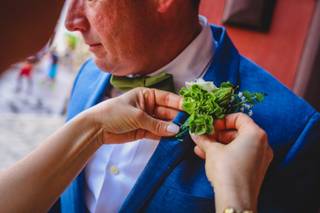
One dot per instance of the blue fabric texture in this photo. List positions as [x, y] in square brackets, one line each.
[174, 179]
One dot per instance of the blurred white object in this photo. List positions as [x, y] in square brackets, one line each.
[206, 85]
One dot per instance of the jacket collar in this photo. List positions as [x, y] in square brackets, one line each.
[226, 59]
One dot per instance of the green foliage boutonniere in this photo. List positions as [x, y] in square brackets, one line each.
[205, 102]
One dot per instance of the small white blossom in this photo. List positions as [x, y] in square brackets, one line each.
[243, 98]
[250, 113]
[247, 106]
[240, 94]
[205, 85]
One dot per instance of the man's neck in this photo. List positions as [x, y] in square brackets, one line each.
[173, 43]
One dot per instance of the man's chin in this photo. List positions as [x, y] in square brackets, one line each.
[107, 67]
[101, 64]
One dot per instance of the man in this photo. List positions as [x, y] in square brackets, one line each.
[144, 38]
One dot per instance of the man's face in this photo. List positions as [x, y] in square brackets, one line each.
[119, 32]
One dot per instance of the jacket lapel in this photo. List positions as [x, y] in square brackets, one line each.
[159, 166]
[98, 93]
[72, 200]
[170, 151]
[226, 60]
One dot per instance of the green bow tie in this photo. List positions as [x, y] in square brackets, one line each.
[162, 81]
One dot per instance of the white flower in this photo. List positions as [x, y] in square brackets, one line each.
[205, 85]
[247, 106]
[250, 113]
[240, 94]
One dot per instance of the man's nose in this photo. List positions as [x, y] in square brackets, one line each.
[76, 19]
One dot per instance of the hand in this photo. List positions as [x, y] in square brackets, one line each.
[139, 113]
[237, 157]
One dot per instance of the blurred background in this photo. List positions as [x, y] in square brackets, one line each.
[280, 35]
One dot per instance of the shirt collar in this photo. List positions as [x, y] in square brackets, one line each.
[192, 62]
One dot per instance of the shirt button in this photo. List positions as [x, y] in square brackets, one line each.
[114, 170]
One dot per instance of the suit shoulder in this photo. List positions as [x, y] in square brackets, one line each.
[252, 76]
[282, 114]
[88, 70]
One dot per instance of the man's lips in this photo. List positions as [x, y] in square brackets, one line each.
[94, 46]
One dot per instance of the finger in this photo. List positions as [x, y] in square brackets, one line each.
[141, 133]
[202, 141]
[168, 99]
[270, 154]
[151, 136]
[199, 152]
[147, 101]
[239, 121]
[164, 113]
[109, 138]
[226, 136]
[157, 127]
[219, 125]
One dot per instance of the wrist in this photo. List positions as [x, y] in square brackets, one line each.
[90, 123]
[237, 197]
[93, 116]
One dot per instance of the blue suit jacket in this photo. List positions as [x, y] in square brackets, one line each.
[174, 179]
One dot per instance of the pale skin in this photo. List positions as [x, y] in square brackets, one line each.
[236, 157]
[134, 37]
[34, 183]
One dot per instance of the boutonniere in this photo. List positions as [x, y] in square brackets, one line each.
[205, 103]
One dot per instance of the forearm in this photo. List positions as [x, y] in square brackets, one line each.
[34, 183]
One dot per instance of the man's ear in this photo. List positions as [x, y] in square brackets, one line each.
[164, 5]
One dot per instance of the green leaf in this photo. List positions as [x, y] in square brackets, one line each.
[226, 84]
[259, 96]
[200, 124]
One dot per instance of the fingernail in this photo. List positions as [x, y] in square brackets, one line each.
[173, 128]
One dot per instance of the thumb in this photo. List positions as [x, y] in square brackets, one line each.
[159, 127]
[202, 141]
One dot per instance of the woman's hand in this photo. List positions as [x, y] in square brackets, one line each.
[237, 158]
[139, 113]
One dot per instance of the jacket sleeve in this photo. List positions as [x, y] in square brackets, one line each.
[295, 183]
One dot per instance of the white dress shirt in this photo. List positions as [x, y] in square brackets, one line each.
[114, 169]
